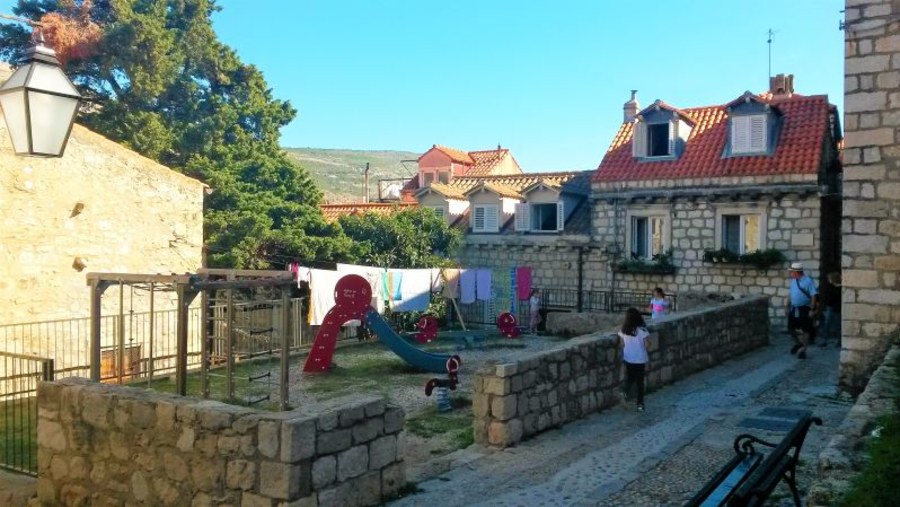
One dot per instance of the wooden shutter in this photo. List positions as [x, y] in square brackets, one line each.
[639, 140]
[673, 135]
[560, 216]
[523, 217]
[740, 134]
[757, 136]
[478, 219]
[491, 223]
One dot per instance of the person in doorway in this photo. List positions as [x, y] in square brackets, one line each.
[534, 308]
[659, 306]
[831, 310]
[802, 305]
[633, 339]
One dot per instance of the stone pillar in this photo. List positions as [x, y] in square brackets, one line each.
[871, 222]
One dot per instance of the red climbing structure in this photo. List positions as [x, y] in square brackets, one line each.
[508, 325]
[352, 295]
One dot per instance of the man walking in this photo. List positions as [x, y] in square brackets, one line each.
[801, 308]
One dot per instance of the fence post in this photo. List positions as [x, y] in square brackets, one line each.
[285, 344]
[47, 370]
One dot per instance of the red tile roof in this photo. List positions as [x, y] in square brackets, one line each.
[332, 212]
[500, 189]
[454, 154]
[798, 151]
[485, 161]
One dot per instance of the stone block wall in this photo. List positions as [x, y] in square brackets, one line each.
[871, 222]
[520, 399]
[793, 226]
[109, 445]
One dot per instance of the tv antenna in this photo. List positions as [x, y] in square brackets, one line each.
[770, 33]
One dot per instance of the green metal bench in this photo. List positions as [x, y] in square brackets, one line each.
[750, 476]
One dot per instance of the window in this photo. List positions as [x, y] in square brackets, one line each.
[653, 139]
[438, 210]
[444, 177]
[484, 218]
[749, 134]
[427, 179]
[647, 237]
[740, 233]
[540, 217]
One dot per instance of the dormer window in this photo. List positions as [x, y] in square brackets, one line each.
[660, 132]
[749, 134]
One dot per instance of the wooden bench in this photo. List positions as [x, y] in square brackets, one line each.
[750, 476]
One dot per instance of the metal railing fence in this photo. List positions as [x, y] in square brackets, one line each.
[19, 379]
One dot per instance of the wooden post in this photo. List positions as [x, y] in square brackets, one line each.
[97, 289]
[229, 344]
[120, 338]
[458, 314]
[204, 343]
[286, 333]
[185, 296]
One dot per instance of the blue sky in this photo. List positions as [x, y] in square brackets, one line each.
[545, 79]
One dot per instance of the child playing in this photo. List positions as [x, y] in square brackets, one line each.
[534, 303]
[634, 353]
[659, 307]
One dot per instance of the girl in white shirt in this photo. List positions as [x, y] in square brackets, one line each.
[534, 303]
[634, 353]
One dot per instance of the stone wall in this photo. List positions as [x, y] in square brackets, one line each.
[116, 210]
[108, 445]
[792, 226]
[520, 399]
[845, 455]
[871, 225]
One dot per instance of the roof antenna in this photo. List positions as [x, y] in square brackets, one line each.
[769, 41]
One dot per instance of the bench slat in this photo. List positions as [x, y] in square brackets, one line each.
[732, 481]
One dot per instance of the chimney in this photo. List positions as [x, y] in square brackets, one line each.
[631, 107]
[781, 86]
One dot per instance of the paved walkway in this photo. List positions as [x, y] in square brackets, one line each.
[658, 457]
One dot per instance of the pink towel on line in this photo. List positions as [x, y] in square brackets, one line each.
[523, 283]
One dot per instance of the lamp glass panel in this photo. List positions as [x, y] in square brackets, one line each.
[50, 78]
[17, 79]
[13, 106]
[51, 116]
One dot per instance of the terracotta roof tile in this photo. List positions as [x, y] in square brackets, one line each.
[798, 151]
[486, 161]
[454, 154]
[332, 212]
[445, 190]
[498, 188]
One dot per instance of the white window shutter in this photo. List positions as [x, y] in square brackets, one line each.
[673, 135]
[478, 219]
[639, 139]
[758, 133]
[490, 219]
[740, 134]
[523, 217]
[560, 216]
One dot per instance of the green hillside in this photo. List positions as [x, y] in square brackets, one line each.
[339, 173]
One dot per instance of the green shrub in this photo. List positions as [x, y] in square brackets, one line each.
[761, 259]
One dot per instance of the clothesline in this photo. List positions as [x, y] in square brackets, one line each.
[410, 290]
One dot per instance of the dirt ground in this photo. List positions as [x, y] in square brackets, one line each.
[371, 368]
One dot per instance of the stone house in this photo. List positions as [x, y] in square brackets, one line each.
[684, 196]
[871, 222]
[100, 207]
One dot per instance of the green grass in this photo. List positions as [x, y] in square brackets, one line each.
[18, 433]
[878, 485]
[377, 375]
[455, 426]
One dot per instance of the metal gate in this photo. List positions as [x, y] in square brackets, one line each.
[19, 378]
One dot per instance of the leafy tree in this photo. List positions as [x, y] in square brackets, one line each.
[410, 238]
[157, 79]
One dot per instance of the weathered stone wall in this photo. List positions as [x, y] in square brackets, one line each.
[108, 445]
[134, 216]
[845, 456]
[553, 265]
[792, 226]
[871, 225]
[517, 400]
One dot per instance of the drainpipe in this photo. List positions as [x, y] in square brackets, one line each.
[580, 300]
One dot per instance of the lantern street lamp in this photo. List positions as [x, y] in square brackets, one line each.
[39, 103]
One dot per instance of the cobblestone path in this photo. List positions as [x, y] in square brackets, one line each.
[656, 458]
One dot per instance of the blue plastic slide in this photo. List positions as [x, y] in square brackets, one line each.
[432, 363]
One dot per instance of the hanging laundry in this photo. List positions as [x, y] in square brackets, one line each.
[451, 283]
[483, 284]
[467, 286]
[321, 294]
[501, 289]
[396, 284]
[512, 292]
[436, 280]
[415, 291]
[523, 283]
